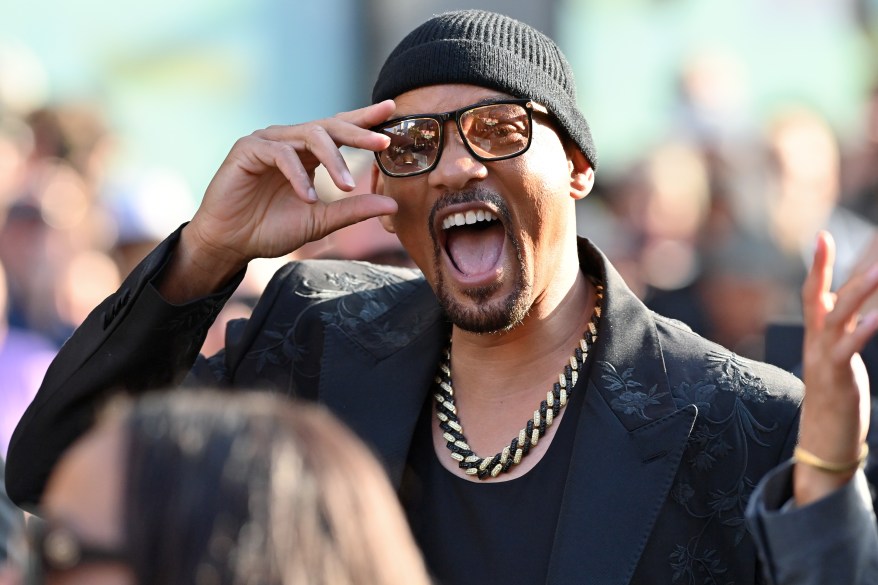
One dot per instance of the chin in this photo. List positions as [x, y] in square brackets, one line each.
[479, 313]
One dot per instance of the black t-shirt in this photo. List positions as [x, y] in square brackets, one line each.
[491, 532]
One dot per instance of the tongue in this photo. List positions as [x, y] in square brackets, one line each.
[475, 251]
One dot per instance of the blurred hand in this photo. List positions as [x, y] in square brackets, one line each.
[262, 202]
[835, 412]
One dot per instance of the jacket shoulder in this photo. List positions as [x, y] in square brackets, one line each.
[691, 357]
[286, 331]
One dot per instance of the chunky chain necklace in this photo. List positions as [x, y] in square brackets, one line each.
[533, 431]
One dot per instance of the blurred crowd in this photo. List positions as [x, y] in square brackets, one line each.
[712, 226]
[715, 225]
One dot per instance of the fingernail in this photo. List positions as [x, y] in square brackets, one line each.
[347, 179]
[312, 194]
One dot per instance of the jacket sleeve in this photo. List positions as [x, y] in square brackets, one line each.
[833, 540]
[133, 341]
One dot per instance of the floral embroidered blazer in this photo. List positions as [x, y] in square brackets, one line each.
[675, 434]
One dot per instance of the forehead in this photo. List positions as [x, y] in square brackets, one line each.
[442, 98]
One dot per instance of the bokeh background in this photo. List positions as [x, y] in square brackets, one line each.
[728, 133]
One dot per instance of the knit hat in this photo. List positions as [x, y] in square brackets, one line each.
[489, 50]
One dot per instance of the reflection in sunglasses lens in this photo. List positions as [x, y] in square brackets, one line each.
[491, 131]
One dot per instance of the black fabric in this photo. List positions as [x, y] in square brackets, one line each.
[505, 528]
[489, 50]
[673, 434]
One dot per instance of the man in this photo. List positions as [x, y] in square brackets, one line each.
[567, 435]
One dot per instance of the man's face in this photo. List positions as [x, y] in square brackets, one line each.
[517, 215]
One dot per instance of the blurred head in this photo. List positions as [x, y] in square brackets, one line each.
[195, 487]
[488, 155]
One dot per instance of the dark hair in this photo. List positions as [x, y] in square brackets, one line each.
[227, 489]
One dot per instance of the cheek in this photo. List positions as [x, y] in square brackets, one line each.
[547, 184]
[410, 221]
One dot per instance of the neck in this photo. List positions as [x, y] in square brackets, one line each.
[498, 381]
[512, 364]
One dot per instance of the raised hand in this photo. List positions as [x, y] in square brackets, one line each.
[835, 412]
[262, 202]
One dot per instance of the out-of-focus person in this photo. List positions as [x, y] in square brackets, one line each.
[24, 358]
[203, 487]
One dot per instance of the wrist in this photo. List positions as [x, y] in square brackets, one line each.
[197, 269]
[816, 478]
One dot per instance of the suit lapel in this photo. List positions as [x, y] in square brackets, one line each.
[392, 374]
[629, 442]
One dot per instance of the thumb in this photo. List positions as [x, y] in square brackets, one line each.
[350, 210]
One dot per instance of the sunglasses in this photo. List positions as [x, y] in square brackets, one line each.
[51, 548]
[490, 131]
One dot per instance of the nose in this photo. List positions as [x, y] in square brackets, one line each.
[456, 166]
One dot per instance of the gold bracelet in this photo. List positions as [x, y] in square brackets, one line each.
[800, 455]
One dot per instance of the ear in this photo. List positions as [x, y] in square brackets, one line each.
[581, 174]
[377, 185]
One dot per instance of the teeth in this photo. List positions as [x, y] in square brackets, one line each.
[468, 218]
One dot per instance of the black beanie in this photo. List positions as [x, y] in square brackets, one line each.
[489, 50]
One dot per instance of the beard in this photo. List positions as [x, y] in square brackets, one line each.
[484, 315]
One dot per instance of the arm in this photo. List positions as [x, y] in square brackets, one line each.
[812, 518]
[133, 341]
[260, 203]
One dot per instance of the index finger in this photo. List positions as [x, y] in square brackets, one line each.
[351, 128]
[816, 288]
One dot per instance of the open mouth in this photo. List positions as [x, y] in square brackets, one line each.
[474, 240]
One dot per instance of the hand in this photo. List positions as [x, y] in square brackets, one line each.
[262, 202]
[835, 411]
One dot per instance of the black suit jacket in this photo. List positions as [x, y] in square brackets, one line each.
[675, 434]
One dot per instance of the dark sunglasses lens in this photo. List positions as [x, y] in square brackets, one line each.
[497, 130]
[414, 145]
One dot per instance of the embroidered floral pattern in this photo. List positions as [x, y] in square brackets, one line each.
[735, 377]
[724, 420]
[712, 485]
[630, 398]
[362, 298]
[702, 567]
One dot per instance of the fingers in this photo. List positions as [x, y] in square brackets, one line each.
[837, 314]
[850, 298]
[835, 411]
[258, 155]
[854, 342]
[816, 289]
[315, 143]
[350, 210]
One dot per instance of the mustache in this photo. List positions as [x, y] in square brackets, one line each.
[472, 195]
